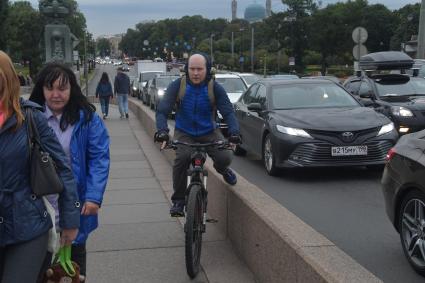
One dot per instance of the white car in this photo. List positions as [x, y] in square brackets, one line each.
[233, 84]
[249, 78]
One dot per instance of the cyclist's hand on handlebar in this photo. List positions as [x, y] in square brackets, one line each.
[161, 136]
[235, 139]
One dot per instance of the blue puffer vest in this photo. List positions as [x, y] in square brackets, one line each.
[195, 115]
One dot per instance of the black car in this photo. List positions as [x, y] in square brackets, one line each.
[398, 96]
[310, 123]
[403, 185]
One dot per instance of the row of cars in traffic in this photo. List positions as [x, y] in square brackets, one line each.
[291, 122]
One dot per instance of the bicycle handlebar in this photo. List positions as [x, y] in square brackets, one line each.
[220, 144]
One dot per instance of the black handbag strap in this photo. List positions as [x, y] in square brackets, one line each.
[33, 135]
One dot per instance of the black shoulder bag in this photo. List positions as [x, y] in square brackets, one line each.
[44, 178]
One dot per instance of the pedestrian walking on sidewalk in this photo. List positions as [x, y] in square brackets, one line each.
[105, 93]
[195, 123]
[122, 89]
[24, 219]
[84, 139]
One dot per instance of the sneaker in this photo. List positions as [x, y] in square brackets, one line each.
[177, 210]
[230, 177]
[104, 116]
[121, 116]
[126, 115]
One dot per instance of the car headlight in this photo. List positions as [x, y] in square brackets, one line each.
[134, 88]
[386, 129]
[401, 111]
[293, 131]
[160, 92]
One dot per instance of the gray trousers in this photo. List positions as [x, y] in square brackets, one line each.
[221, 159]
[22, 262]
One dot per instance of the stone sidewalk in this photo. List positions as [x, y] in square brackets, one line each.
[137, 240]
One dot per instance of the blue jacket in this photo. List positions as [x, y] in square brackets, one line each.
[90, 163]
[122, 83]
[104, 89]
[23, 216]
[194, 115]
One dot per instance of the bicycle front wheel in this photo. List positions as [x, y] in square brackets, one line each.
[193, 229]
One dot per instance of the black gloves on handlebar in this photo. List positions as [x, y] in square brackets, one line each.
[235, 139]
[161, 136]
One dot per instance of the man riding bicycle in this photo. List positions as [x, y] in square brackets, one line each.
[195, 122]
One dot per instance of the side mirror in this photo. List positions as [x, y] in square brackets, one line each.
[255, 107]
[366, 95]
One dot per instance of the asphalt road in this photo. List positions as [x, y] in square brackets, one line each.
[344, 204]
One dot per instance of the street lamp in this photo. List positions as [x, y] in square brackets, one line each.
[241, 58]
[252, 49]
[211, 48]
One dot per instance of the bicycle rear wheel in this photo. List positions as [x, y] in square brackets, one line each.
[193, 229]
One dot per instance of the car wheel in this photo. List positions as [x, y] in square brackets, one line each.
[412, 229]
[269, 159]
[239, 151]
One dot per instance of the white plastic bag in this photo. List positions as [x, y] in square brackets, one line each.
[53, 245]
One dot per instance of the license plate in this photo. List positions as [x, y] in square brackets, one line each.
[349, 150]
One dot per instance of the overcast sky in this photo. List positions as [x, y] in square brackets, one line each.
[116, 16]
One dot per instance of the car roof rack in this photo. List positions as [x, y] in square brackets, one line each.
[387, 60]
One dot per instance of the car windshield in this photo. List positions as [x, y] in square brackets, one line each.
[250, 79]
[164, 82]
[232, 85]
[415, 86]
[293, 96]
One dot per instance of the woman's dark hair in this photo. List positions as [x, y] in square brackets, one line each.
[77, 101]
[104, 79]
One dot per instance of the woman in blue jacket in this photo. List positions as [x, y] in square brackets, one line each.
[105, 93]
[24, 220]
[84, 139]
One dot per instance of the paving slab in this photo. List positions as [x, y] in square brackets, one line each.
[130, 164]
[123, 173]
[140, 266]
[132, 183]
[134, 197]
[135, 213]
[130, 236]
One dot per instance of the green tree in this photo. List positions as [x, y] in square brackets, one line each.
[295, 23]
[4, 8]
[103, 47]
[24, 29]
[407, 25]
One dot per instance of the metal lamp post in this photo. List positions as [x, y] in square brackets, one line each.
[211, 48]
[421, 34]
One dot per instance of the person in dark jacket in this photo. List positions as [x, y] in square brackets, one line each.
[85, 141]
[195, 123]
[122, 89]
[105, 93]
[24, 220]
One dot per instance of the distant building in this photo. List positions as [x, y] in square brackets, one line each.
[254, 13]
[114, 40]
[234, 9]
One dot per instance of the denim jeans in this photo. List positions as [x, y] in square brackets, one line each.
[123, 103]
[104, 104]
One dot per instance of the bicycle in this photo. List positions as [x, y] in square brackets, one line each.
[196, 201]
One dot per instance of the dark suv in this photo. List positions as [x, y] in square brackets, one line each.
[398, 96]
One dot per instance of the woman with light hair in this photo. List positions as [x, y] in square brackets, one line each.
[24, 220]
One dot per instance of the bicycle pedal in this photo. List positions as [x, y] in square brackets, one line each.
[211, 220]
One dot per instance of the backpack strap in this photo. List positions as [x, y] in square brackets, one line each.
[182, 89]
